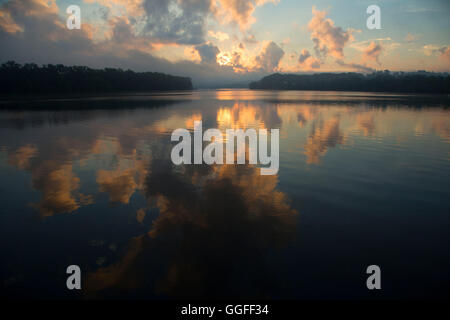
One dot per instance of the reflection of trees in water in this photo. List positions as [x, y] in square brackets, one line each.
[54, 111]
[215, 230]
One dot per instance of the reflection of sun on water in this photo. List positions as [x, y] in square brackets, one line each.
[176, 121]
[190, 121]
[240, 117]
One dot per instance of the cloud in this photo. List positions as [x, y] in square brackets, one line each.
[219, 35]
[430, 49]
[356, 66]
[238, 11]
[42, 32]
[232, 59]
[45, 39]
[412, 37]
[8, 24]
[182, 22]
[241, 60]
[121, 7]
[165, 21]
[208, 52]
[372, 52]
[304, 55]
[250, 39]
[444, 52]
[328, 39]
[371, 49]
[192, 54]
[286, 41]
[169, 36]
[307, 61]
[38, 8]
[270, 57]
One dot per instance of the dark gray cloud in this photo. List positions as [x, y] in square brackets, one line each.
[357, 67]
[303, 56]
[270, 57]
[306, 60]
[328, 39]
[43, 38]
[182, 22]
[208, 52]
[445, 52]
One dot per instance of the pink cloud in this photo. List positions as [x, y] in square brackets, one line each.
[238, 11]
[372, 52]
[328, 39]
[270, 57]
[307, 61]
[444, 52]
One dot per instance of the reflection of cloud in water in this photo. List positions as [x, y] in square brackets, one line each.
[245, 115]
[51, 167]
[119, 184]
[211, 237]
[22, 156]
[127, 175]
[300, 114]
[326, 135]
[52, 171]
[442, 127]
[51, 162]
[366, 123]
[140, 215]
[176, 121]
[58, 184]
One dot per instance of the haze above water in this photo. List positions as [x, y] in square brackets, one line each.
[363, 179]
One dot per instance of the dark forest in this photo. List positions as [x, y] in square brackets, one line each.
[31, 78]
[383, 81]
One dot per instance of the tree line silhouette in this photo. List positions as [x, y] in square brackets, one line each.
[381, 81]
[31, 78]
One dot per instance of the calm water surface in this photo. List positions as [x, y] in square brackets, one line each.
[364, 179]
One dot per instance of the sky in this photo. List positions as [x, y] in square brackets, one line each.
[223, 42]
